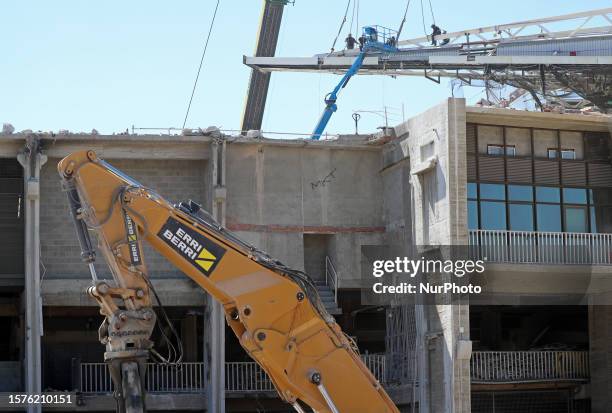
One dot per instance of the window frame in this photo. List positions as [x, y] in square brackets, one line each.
[504, 149]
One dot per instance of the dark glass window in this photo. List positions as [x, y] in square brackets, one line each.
[520, 193]
[600, 196]
[552, 153]
[492, 191]
[510, 150]
[549, 217]
[547, 194]
[521, 217]
[472, 214]
[574, 196]
[601, 219]
[472, 192]
[575, 219]
[493, 215]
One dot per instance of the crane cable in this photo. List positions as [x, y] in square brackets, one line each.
[355, 5]
[433, 18]
[423, 19]
[212, 22]
[348, 4]
[399, 31]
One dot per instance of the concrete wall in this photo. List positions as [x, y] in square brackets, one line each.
[277, 193]
[521, 139]
[435, 143]
[174, 179]
[542, 141]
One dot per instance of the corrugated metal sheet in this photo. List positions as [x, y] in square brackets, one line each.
[600, 174]
[597, 146]
[573, 173]
[472, 173]
[470, 138]
[583, 46]
[519, 170]
[491, 168]
[546, 172]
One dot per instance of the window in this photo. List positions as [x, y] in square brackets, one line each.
[472, 190]
[547, 194]
[492, 191]
[575, 219]
[493, 215]
[574, 196]
[520, 193]
[521, 217]
[568, 154]
[472, 214]
[498, 150]
[495, 150]
[600, 196]
[549, 217]
[601, 219]
[541, 208]
[565, 153]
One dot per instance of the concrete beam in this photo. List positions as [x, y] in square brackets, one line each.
[173, 292]
[521, 118]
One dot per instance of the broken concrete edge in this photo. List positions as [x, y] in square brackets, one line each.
[343, 142]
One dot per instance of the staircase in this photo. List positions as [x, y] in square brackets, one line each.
[328, 288]
[328, 297]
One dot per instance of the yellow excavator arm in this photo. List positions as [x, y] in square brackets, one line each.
[274, 311]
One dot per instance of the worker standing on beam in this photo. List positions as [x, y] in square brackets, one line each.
[350, 42]
[362, 41]
[435, 31]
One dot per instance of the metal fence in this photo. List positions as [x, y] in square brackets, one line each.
[249, 377]
[160, 378]
[240, 377]
[246, 377]
[541, 247]
[529, 366]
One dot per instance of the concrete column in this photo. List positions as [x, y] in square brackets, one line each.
[214, 316]
[31, 159]
[434, 141]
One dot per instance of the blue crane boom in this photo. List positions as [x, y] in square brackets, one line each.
[376, 38]
[330, 98]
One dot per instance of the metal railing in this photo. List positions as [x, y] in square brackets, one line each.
[249, 377]
[377, 364]
[160, 378]
[240, 377]
[541, 247]
[529, 366]
[331, 278]
[246, 377]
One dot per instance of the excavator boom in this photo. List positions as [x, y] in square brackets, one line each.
[274, 310]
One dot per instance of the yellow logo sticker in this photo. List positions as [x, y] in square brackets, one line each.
[205, 259]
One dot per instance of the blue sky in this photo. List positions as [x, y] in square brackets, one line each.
[109, 65]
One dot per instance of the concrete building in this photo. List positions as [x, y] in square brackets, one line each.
[509, 184]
